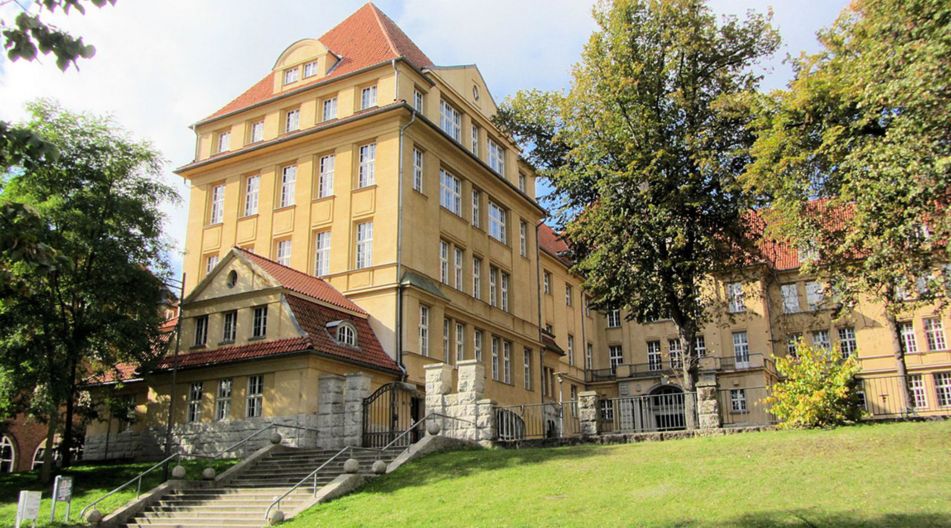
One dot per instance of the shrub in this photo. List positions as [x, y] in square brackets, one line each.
[817, 389]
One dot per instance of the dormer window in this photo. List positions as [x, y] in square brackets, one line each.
[345, 333]
[310, 69]
[291, 75]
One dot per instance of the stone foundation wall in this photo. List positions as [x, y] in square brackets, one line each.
[466, 414]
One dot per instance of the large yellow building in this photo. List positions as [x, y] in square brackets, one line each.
[357, 160]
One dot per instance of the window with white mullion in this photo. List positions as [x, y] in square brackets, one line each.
[908, 341]
[459, 255]
[474, 140]
[847, 342]
[217, 204]
[417, 170]
[322, 253]
[259, 322]
[477, 277]
[330, 109]
[367, 171]
[700, 346]
[916, 385]
[223, 400]
[477, 345]
[497, 227]
[446, 323]
[424, 330]
[257, 131]
[284, 253]
[738, 400]
[735, 297]
[504, 291]
[450, 120]
[325, 183]
[934, 331]
[476, 208]
[255, 402]
[252, 189]
[942, 387]
[496, 343]
[368, 97]
[674, 351]
[450, 192]
[288, 185]
[194, 402]
[820, 338]
[292, 120]
[493, 286]
[741, 349]
[616, 356]
[460, 342]
[496, 157]
[364, 256]
[654, 360]
[507, 362]
[444, 262]
[527, 375]
[790, 294]
[589, 357]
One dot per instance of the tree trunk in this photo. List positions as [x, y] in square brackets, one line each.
[900, 363]
[46, 472]
[67, 443]
[690, 363]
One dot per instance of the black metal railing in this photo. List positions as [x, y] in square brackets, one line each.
[537, 420]
[642, 414]
[668, 366]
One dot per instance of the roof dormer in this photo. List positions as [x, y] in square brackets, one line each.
[302, 62]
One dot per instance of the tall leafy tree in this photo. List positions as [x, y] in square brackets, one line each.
[856, 155]
[644, 152]
[97, 303]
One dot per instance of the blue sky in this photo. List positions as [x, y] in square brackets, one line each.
[161, 66]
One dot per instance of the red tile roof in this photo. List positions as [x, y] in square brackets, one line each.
[231, 354]
[553, 244]
[366, 38]
[302, 283]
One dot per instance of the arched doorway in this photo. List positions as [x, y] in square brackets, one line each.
[667, 408]
[8, 455]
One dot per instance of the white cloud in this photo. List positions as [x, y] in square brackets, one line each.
[161, 66]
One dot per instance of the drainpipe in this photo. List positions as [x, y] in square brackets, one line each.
[538, 297]
[399, 242]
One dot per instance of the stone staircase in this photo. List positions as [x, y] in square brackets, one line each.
[243, 500]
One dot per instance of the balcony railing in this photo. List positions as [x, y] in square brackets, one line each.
[668, 367]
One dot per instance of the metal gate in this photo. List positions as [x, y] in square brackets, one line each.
[389, 411]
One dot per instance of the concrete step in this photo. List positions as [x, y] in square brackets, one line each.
[181, 522]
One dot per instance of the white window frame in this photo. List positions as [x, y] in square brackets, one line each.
[504, 280]
[201, 330]
[347, 334]
[329, 110]
[741, 349]
[364, 245]
[493, 285]
[496, 344]
[223, 399]
[848, 345]
[790, 293]
[444, 262]
[942, 387]
[614, 318]
[288, 185]
[507, 362]
[474, 140]
[419, 100]
[257, 131]
[460, 342]
[814, 295]
[546, 282]
[217, 204]
[675, 353]
[194, 401]
[589, 356]
[527, 369]
[820, 338]
[450, 120]
[477, 341]
[792, 343]
[423, 330]
[292, 120]
[616, 357]
[417, 169]
[909, 341]
[252, 191]
[738, 401]
[367, 172]
[934, 333]
[571, 350]
[569, 295]
[497, 222]
[283, 253]
[477, 277]
[255, 399]
[735, 296]
[450, 192]
[700, 345]
[229, 326]
[325, 178]
[458, 256]
[476, 208]
[259, 321]
[310, 69]
[291, 75]
[322, 242]
[224, 141]
[523, 238]
[919, 395]
[210, 263]
[496, 157]
[368, 97]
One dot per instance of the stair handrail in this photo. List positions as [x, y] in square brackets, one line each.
[312, 474]
[178, 455]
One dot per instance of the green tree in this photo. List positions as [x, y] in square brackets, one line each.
[97, 303]
[856, 156]
[644, 152]
[817, 389]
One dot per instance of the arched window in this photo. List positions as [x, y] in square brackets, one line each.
[347, 334]
[41, 451]
[8, 455]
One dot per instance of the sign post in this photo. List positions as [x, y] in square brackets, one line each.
[28, 507]
[62, 492]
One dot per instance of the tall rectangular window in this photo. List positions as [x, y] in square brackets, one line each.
[459, 255]
[444, 262]
[814, 295]
[546, 282]
[330, 109]
[497, 227]
[325, 181]
[445, 339]
[616, 356]
[259, 322]
[847, 342]
[477, 277]
[792, 344]
[522, 182]
[284, 252]
[820, 338]
[257, 131]
[224, 141]
[700, 346]
[364, 245]
[210, 263]
[507, 362]
[310, 69]
[504, 291]
[738, 400]
[908, 341]
[255, 396]
[368, 97]
[450, 192]
[569, 295]
[934, 331]
[252, 188]
[477, 345]
[194, 402]
[527, 375]
[367, 173]
[589, 356]
[292, 120]
[450, 120]
[288, 185]
[474, 140]
[417, 169]
[523, 238]
[493, 286]
[741, 349]
[460, 342]
[229, 327]
[423, 330]
[654, 361]
[674, 351]
[916, 384]
[734, 293]
[223, 400]
[614, 318]
[496, 157]
[790, 298]
[571, 350]
[322, 253]
[217, 204]
[476, 208]
[495, 358]
[418, 100]
[201, 330]
[942, 386]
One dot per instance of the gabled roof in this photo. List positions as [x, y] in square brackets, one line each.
[553, 244]
[296, 281]
[366, 38]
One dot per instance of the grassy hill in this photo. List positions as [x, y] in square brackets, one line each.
[869, 475]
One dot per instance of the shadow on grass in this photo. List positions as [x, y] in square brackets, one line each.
[449, 465]
[821, 519]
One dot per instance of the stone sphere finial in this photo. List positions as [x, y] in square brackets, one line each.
[178, 472]
[276, 517]
[351, 466]
[208, 473]
[433, 428]
[276, 438]
[379, 467]
[94, 516]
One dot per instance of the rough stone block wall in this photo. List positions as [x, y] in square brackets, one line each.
[466, 414]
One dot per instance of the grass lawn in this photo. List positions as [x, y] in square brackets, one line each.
[868, 475]
[89, 483]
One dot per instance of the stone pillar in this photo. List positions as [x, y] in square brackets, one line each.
[588, 413]
[470, 391]
[357, 388]
[486, 427]
[708, 403]
[330, 411]
[438, 389]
